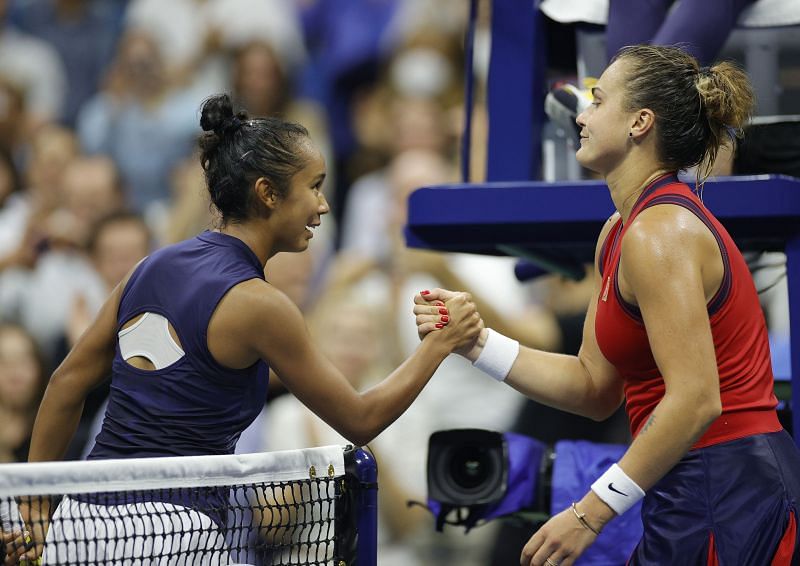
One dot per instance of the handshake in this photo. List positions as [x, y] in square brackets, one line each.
[453, 314]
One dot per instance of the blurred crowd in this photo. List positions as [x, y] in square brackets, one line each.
[99, 115]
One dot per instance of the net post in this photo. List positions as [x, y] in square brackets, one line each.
[362, 465]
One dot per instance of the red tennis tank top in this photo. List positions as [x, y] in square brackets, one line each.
[738, 329]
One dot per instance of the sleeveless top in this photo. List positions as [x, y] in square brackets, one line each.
[194, 406]
[737, 322]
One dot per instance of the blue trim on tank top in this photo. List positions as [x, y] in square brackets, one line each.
[723, 292]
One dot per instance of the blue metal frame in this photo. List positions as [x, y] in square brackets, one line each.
[366, 469]
[469, 73]
[516, 90]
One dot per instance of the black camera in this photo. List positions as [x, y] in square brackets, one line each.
[467, 467]
[483, 474]
[477, 475]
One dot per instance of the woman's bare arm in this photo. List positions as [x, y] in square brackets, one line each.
[85, 367]
[585, 384]
[271, 327]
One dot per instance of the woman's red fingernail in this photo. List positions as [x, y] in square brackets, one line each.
[424, 292]
[445, 319]
[439, 325]
[442, 311]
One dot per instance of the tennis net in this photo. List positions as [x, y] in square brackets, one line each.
[298, 507]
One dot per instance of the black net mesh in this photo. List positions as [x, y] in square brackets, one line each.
[297, 522]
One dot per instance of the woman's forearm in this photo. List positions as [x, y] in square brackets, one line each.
[672, 428]
[564, 382]
[390, 398]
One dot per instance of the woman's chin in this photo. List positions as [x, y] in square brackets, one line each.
[582, 159]
[587, 162]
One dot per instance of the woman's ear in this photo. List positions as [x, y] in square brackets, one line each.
[265, 193]
[644, 122]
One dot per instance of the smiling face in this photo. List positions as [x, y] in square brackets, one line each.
[301, 210]
[605, 124]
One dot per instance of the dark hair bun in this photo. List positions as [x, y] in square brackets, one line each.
[217, 111]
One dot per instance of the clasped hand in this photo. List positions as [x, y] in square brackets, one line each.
[440, 309]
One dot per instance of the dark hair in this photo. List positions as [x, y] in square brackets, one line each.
[237, 151]
[697, 109]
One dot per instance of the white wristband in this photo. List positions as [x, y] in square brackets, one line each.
[498, 355]
[618, 490]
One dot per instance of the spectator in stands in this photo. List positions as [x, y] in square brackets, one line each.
[42, 298]
[13, 216]
[26, 210]
[84, 33]
[22, 380]
[92, 189]
[52, 149]
[263, 82]
[36, 68]
[196, 37]
[144, 124]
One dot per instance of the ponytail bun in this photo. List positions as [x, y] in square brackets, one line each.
[218, 121]
[216, 111]
[727, 96]
[727, 99]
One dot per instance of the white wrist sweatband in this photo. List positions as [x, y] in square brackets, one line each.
[617, 490]
[498, 355]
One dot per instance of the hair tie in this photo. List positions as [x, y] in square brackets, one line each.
[231, 124]
[704, 71]
[733, 133]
